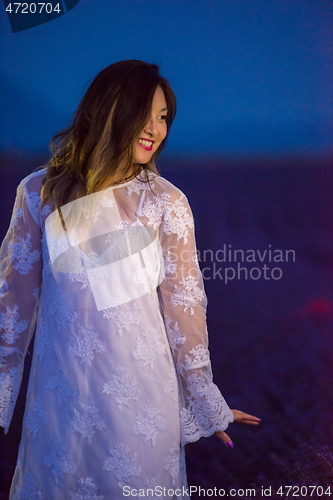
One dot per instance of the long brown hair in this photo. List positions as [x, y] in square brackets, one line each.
[111, 114]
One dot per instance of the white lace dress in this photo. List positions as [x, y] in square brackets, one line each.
[121, 377]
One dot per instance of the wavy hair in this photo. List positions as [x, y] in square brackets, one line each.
[111, 114]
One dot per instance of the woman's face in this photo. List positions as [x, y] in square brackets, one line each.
[154, 131]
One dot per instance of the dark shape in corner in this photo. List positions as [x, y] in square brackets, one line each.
[70, 4]
[30, 14]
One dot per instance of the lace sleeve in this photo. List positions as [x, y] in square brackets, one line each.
[20, 277]
[183, 301]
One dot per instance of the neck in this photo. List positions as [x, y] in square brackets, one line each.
[123, 175]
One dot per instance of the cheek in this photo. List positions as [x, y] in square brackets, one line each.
[163, 132]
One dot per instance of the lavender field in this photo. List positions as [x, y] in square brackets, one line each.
[271, 335]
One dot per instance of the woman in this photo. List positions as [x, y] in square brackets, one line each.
[96, 260]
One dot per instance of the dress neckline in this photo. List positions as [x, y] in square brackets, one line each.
[136, 178]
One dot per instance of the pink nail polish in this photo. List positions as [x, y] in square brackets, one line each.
[230, 444]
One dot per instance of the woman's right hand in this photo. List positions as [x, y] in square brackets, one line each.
[241, 418]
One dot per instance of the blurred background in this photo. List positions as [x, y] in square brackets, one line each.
[251, 148]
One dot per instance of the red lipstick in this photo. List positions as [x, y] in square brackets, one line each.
[143, 146]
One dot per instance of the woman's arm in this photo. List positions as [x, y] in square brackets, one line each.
[20, 279]
[183, 302]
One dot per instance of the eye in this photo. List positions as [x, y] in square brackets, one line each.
[163, 117]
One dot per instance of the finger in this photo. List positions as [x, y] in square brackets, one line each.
[223, 436]
[241, 417]
[247, 420]
[242, 414]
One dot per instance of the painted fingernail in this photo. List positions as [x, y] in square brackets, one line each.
[230, 444]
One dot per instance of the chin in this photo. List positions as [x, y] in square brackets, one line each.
[142, 159]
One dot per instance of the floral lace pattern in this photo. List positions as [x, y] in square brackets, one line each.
[189, 296]
[87, 490]
[85, 343]
[137, 186]
[122, 387]
[86, 207]
[174, 334]
[28, 489]
[79, 275]
[117, 239]
[104, 203]
[124, 316]
[11, 323]
[151, 484]
[60, 460]
[89, 212]
[96, 272]
[46, 271]
[149, 423]
[62, 310]
[171, 463]
[199, 357]
[33, 200]
[119, 298]
[9, 389]
[35, 204]
[21, 251]
[6, 351]
[36, 417]
[170, 387]
[46, 210]
[86, 421]
[169, 267]
[65, 389]
[125, 465]
[90, 262]
[180, 222]
[176, 218]
[123, 224]
[145, 276]
[17, 214]
[43, 340]
[59, 243]
[206, 412]
[3, 286]
[154, 209]
[148, 347]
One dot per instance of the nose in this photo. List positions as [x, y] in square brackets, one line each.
[151, 127]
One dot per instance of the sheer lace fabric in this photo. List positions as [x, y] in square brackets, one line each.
[121, 377]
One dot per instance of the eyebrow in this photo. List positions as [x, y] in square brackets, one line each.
[164, 109]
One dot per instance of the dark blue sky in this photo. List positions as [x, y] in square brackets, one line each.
[252, 77]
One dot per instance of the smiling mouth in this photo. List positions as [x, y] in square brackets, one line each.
[146, 144]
